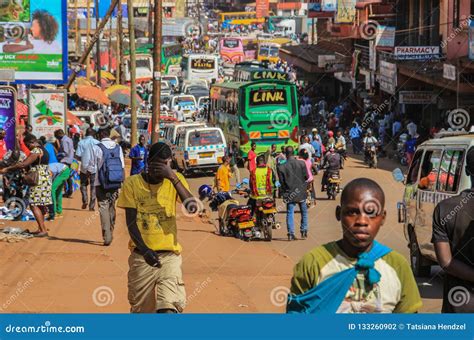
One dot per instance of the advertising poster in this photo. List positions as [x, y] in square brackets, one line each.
[7, 114]
[471, 39]
[346, 11]
[385, 36]
[47, 111]
[329, 5]
[33, 40]
[262, 7]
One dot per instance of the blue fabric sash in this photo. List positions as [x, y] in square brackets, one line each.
[327, 296]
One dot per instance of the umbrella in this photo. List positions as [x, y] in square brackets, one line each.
[105, 75]
[123, 97]
[93, 94]
[114, 88]
[72, 119]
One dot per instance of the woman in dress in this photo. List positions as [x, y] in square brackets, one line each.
[40, 195]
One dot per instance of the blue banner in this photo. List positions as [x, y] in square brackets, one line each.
[236, 326]
[103, 7]
[471, 39]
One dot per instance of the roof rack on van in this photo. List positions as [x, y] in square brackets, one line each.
[444, 134]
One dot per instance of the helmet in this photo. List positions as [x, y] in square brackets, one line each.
[330, 133]
[204, 191]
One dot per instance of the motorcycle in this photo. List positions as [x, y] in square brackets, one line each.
[371, 152]
[401, 154]
[14, 191]
[265, 217]
[334, 185]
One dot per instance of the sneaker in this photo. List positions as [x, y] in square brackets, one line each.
[84, 206]
[291, 237]
[304, 235]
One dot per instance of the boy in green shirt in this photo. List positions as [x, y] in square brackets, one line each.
[363, 275]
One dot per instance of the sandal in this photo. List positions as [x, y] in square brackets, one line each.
[42, 234]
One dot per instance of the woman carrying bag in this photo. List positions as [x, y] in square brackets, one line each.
[38, 179]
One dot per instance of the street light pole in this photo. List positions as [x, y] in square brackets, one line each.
[119, 44]
[133, 64]
[155, 113]
[98, 76]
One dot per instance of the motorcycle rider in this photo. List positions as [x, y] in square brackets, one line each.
[341, 146]
[261, 183]
[332, 163]
[331, 140]
[369, 142]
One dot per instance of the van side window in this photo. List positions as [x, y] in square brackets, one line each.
[414, 168]
[450, 171]
[429, 170]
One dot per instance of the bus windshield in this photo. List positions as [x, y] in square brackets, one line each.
[274, 51]
[211, 137]
[264, 51]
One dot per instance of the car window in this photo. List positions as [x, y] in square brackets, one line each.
[450, 171]
[414, 168]
[429, 170]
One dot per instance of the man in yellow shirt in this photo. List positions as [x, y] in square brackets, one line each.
[155, 282]
[223, 175]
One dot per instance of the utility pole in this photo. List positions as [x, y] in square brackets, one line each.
[98, 76]
[150, 21]
[88, 30]
[133, 64]
[92, 42]
[118, 75]
[78, 35]
[109, 67]
[156, 104]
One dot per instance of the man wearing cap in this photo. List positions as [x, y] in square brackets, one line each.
[155, 280]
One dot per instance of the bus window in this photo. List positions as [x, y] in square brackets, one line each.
[414, 168]
[264, 50]
[429, 170]
[211, 137]
[450, 171]
[274, 51]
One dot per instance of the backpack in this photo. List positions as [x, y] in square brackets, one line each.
[111, 171]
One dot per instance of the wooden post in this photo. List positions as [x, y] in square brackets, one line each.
[150, 21]
[118, 75]
[92, 42]
[98, 66]
[133, 64]
[78, 35]
[156, 104]
[88, 30]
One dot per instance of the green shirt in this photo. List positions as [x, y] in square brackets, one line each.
[396, 292]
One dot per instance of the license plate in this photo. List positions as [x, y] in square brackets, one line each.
[270, 211]
[243, 225]
[269, 134]
[206, 155]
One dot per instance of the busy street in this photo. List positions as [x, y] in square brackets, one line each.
[267, 157]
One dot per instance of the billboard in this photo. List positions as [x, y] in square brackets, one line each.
[262, 8]
[47, 111]
[471, 39]
[33, 40]
[346, 11]
[7, 114]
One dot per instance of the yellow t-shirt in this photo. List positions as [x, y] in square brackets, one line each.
[156, 211]
[223, 176]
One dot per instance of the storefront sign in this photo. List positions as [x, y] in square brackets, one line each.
[47, 111]
[372, 56]
[346, 11]
[416, 97]
[7, 114]
[321, 8]
[449, 71]
[37, 55]
[329, 5]
[388, 77]
[385, 36]
[416, 52]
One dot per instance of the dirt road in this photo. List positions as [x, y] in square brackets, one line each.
[72, 272]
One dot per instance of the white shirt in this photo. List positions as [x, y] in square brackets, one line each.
[412, 129]
[308, 148]
[97, 155]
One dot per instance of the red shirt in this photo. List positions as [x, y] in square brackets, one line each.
[252, 158]
[3, 149]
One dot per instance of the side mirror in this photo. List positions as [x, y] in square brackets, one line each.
[402, 212]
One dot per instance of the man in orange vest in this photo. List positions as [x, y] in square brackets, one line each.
[261, 182]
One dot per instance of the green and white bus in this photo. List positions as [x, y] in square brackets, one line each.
[171, 54]
[264, 112]
[243, 72]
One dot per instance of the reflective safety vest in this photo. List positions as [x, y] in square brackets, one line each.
[261, 183]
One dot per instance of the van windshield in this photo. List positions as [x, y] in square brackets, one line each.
[142, 123]
[211, 137]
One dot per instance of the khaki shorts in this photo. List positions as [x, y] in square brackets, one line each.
[151, 289]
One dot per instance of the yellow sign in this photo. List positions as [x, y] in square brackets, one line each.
[269, 75]
[270, 97]
[346, 11]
